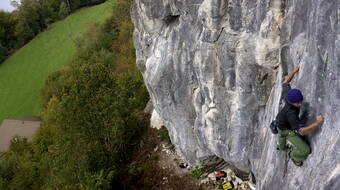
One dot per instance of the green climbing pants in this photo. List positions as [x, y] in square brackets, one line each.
[301, 149]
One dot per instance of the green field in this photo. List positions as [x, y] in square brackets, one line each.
[23, 75]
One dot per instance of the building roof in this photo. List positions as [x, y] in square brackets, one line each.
[27, 118]
[22, 126]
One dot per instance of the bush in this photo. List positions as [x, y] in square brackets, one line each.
[97, 181]
[136, 170]
[197, 172]
[164, 134]
[5, 172]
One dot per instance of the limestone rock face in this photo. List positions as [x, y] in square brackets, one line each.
[213, 70]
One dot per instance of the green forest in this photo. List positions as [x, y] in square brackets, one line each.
[30, 18]
[92, 110]
[46, 53]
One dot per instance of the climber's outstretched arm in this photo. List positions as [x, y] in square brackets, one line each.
[310, 128]
[289, 77]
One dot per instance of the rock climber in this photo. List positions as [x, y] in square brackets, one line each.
[290, 126]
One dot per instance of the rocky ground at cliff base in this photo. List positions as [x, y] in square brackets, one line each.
[158, 167]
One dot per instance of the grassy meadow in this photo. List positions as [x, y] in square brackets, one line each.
[22, 76]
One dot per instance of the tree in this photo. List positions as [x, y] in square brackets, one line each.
[29, 21]
[7, 37]
[3, 53]
[15, 3]
[63, 10]
[49, 11]
[91, 120]
[69, 6]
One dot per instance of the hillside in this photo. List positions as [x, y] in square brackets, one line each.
[22, 76]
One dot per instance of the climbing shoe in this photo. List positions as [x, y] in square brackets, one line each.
[299, 164]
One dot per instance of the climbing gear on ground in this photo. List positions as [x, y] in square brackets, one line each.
[294, 96]
[227, 186]
[183, 165]
[220, 175]
[273, 127]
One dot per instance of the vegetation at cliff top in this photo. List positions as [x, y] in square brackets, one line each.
[22, 76]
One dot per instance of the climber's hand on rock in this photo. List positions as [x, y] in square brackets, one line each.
[289, 77]
[320, 119]
[296, 69]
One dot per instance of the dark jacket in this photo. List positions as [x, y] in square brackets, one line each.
[288, 117]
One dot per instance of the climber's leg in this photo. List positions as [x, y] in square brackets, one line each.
[301, 149]
[281, 144]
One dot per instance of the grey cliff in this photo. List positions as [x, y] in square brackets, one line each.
[213, 69]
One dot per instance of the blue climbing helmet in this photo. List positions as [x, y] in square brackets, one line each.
[294, 96]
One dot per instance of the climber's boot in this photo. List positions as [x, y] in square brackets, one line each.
[300, 150]
[299, 164]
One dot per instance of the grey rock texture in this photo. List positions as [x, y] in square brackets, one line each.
[213, 70]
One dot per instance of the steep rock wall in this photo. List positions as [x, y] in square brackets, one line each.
[213, 70]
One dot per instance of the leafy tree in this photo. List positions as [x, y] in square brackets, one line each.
[49, 11]
[3, 52]
[97, 113]
[7, 38]
[29, 22]
[15, 3]
[63, 10]
[5, 172]
[91, 117]
[21, 169]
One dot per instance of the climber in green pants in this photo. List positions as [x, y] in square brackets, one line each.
[290, 126]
